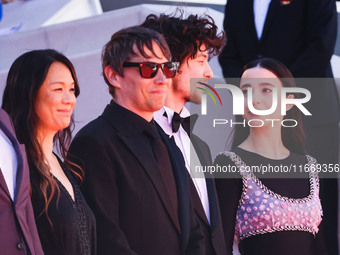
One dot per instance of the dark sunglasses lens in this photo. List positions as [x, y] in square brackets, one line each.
[148, 70]
[169, 70]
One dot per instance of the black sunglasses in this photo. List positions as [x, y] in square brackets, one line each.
[149, 69]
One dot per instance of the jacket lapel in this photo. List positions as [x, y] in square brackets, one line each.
[182, 184]
[23, 176]
[248, 21]
[8, 129]
[197, 203]
[214, 210]
[196, 159]
[3, 185]
[150, 166]
[205, 160]
[272, 9]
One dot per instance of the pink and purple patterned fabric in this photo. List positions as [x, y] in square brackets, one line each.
[263, 211]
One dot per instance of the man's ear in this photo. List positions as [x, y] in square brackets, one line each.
[289, 106]
[111, 76]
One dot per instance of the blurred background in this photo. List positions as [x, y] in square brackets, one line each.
[80, 28]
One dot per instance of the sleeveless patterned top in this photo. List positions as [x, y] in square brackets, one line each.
[263, 211]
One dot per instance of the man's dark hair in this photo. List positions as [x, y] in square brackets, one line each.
[121, 48]
[186, 36]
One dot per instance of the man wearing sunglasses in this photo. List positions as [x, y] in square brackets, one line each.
[191, 42]
[132, 178]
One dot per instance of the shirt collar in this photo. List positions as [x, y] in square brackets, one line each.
[170, 113]
[129, 122]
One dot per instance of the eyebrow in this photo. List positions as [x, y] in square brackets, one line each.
[201, 54]
[247, 85]
[59, 82]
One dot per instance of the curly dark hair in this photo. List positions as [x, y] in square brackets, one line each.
[186, 36]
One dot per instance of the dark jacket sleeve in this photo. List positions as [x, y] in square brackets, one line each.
[229, 192]
[195, 244]
[320, 38]
[229, 58]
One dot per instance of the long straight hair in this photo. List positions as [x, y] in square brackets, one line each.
[292, 137]
[26, 75]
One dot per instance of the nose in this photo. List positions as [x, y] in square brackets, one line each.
[208, 72]
[256, 97]
[160, 77]
[69, 97]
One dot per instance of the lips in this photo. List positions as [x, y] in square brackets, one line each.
[159, 91]
[65, 111]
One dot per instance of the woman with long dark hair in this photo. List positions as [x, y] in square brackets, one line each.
[270, 203]
[39, 96]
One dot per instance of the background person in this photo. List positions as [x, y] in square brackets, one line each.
[133, 181]
[40, 95]
[192, 42]
[302, 35]
[269, 213]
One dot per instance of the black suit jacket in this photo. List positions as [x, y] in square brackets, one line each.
[301, 34]
[214, 241]
[17, 224]
[124, 188]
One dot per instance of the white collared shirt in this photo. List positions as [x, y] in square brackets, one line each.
[260, 14]
[183, 142]
[8, 162]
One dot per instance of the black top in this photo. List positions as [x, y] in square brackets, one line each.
[283, 242]
[73, 230]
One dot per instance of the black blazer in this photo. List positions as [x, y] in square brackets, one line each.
[214, 241]
[301, 34]
[124, 188]
[18, 230]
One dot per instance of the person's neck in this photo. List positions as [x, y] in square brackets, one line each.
[174, 102]
[46, 142]
[268, 144]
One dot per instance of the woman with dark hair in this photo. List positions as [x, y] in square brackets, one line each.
[270, 204]
[39, 96]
